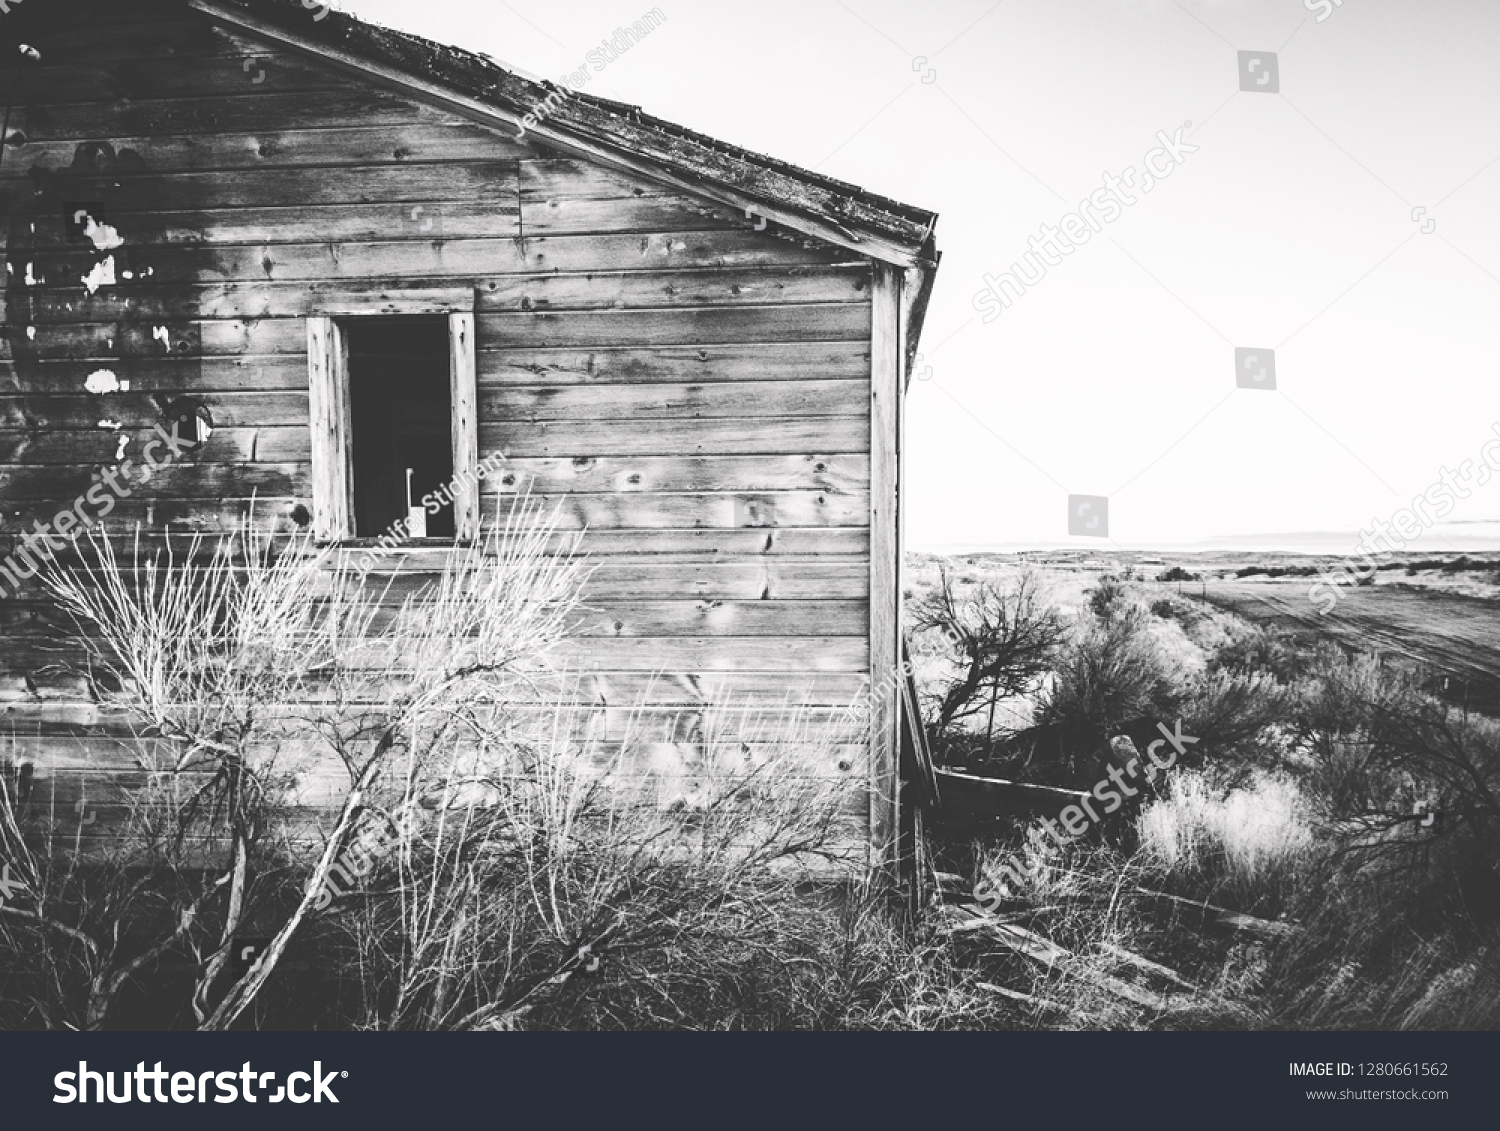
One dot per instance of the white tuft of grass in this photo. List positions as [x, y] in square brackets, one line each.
[1252, 839]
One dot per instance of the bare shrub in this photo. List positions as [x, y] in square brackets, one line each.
[1231, 713]
[552, 858]
[209, 651]
[1110, 670]
[1001, 641]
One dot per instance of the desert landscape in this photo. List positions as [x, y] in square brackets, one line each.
[1324, 855]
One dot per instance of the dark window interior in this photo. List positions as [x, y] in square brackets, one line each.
[403, 420]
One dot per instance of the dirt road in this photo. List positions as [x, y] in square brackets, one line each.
[1447, 633]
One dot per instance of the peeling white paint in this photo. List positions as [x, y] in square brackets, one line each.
[31, 333]
[103, 275]
[31, 280]
[162, 335]
[109, 425]
[102, 381]
[104, 236]
[127, 274]
[120, 451]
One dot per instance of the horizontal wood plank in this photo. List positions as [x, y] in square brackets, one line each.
[197, 230]
[187, 338]
[65, 297]
[173, 375]
[629, 511]
[38, 413]
[138, 38]
[685, 402]
[122, 196]
[720, 653]
[236, 113]
[766, 579]
[724, 618]
[561, 195]
[681, 473]
[130, 304]
[788, 435]
[22, 722]
[684, 326]
[759, 361]
[624, 547]
[646, 289]
[174, 481]
[60, 81]
[270, 149]
[95, 446]
[752, 274]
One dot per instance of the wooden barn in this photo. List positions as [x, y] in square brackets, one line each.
[349, 265]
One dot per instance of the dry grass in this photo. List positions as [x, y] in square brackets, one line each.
[498, 863]
[1247, 845]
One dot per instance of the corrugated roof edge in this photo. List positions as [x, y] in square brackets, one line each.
[603, 121]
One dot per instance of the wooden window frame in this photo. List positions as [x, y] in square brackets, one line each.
[332, 423]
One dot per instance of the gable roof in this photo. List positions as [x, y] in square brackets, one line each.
[875, 225]
[613, 133]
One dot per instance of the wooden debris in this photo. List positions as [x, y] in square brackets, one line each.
[951, 883]
[1151, 967]
[1023, 999]
[1044, 951]
[1233, 920]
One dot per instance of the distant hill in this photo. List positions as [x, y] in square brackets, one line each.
[1444, 537]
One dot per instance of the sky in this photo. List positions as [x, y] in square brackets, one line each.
[1337, 220]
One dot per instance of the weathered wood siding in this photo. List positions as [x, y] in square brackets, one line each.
[693, 390]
